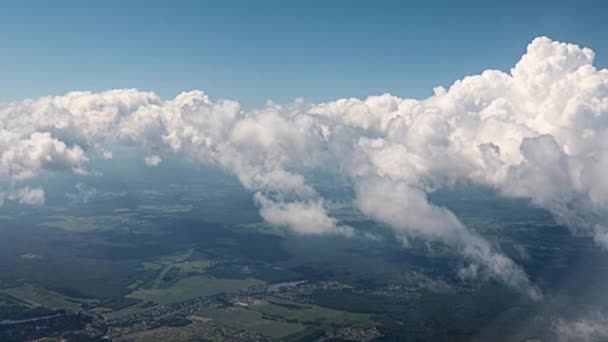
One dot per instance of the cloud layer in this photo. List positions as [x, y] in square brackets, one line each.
[538, 132]
[591, 327]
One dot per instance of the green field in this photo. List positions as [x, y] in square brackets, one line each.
[311, 314]
[192, 287]
[243, 318]
[181, 262]
[150, 266]
[92, 223]
[41, 297]
[277, 318]
[159, 290]
[196, 266]
[133, 309]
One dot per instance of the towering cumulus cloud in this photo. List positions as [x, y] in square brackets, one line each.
[538, 132]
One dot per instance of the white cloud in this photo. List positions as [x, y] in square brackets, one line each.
[84, 193]
[538, 132]
[28, 196]
[304, 217]
[592, 327]
[407, 210]
[107, 155]
[22, 157]
[153, 161]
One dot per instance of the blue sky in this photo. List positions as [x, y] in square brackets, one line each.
[258, 50]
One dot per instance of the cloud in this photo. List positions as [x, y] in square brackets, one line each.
[538, 132]
[591, 327]
[304, 217]
[107, 154]
[83, 194]
[28, 196]
[23, 157]
[406, 209]
[153, 161]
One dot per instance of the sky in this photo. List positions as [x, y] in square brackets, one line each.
[253, 51]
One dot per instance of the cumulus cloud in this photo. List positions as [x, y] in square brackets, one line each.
[538, 132]
[304, 217]
[153, 161]
[23, 157]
